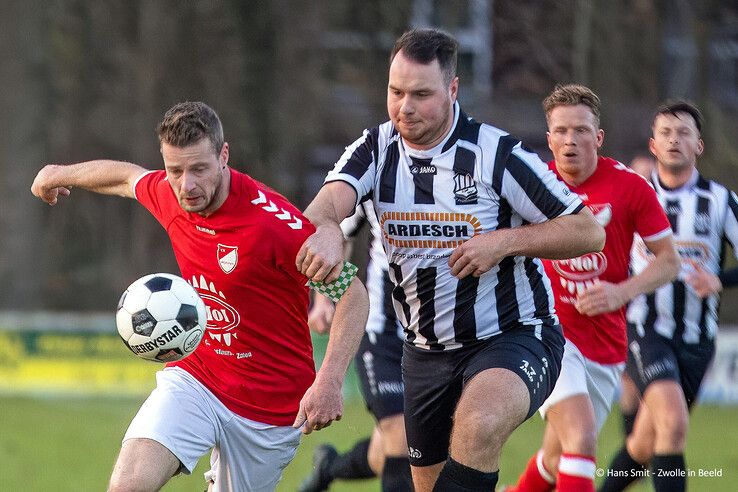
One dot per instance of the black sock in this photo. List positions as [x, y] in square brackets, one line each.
[353, 464]
[396, 475]
[669, 473]
[623, 471]
[628, 421]
[457, 477]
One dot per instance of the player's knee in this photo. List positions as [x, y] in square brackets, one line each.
[487, 429]
[672, 427]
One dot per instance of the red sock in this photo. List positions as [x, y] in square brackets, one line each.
[535, 478]
[576, 473]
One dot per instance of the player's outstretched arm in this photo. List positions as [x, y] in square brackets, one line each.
[323, 401]
[99, 176]
[605, 297]
[321, 256]
[567, 236]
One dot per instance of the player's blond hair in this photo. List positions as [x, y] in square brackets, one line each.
[572, 95]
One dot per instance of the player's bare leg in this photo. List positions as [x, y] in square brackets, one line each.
[571, 432]
[480, 428]
[658, 438]
[663, 427]
[551, 449]
[392, 430]
[396, 466]
[133, 470]
[630, 399]
[424, 477]
[375, 453]
[641, 441]
[666, 402]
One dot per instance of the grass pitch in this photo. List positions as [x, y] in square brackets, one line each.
[70, 444]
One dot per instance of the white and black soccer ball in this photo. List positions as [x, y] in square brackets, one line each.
[161, 317]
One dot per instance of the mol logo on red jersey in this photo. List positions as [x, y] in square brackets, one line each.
[576, 274]
[222, 318]
[585, 267]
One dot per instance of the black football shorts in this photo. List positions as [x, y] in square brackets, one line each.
[434, 381]
[378, 365]
[652, 357]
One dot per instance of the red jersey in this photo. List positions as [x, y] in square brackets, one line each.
[623, 203]
[256, 355]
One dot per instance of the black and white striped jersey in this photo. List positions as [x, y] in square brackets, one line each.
[382, 317]
[703, 215]
[479, 179]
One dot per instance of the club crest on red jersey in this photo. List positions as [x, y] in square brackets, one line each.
[227, 257]
[602, 212]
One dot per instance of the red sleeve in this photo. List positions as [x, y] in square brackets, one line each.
[288, 235]
[650, 221]
[147, 190]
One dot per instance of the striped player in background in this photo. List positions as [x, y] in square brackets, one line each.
[592, 291]
[465, 212]
[672, 331]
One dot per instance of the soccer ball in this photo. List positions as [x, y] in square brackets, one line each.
[161, 318]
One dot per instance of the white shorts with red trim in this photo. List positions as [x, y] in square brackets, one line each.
[582, 376]
[186, 418]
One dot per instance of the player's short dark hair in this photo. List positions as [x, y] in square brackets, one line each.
[674, 106]
[425, 45]
[572, 95]
[186, 123]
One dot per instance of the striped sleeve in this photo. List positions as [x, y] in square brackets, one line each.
[521, 178]
[350, 226]
[731, 222]
[358, 164]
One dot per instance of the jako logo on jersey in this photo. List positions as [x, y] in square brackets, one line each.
[419, 169]
[428, 229]
[227, 257]
[465, 189]
[602, 212]
[222, 318]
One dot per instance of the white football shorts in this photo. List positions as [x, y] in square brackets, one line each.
[580, 375]
[186, 418]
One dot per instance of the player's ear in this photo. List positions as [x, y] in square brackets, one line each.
[454, 89]
[700, 146]
[600, 137]
[223, 157]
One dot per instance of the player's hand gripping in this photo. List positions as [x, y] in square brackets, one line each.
[320, 406]
[704, 283]
[600, 297]
[321, 256]
[477, 255]
[44, 188]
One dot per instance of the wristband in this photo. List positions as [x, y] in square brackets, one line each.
[336, 289]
